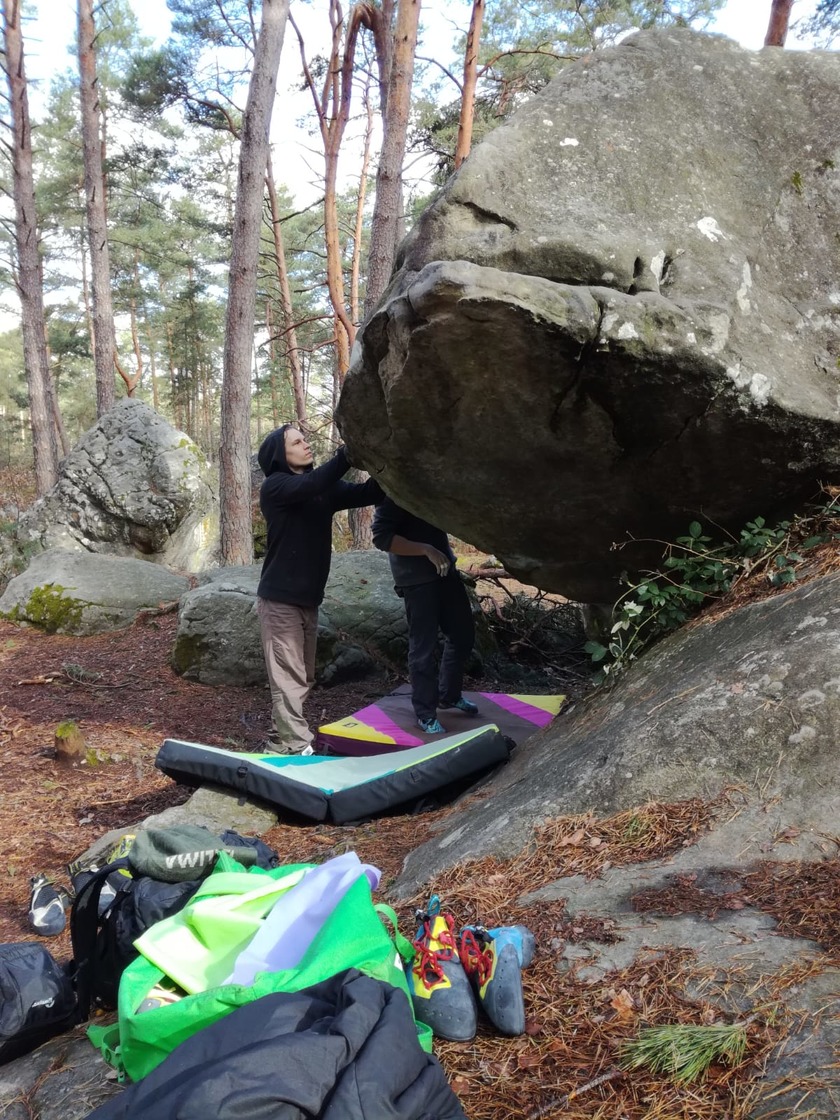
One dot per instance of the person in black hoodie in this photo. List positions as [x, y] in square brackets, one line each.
[298, 501]
[425, 577]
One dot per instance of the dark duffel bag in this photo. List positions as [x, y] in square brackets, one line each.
[37, 999]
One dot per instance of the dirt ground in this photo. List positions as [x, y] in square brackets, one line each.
[121, 692]
[125, 698]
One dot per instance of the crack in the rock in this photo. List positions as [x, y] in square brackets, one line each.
[580, 363]
[488, 217]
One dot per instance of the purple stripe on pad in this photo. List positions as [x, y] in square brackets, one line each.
[380, 721]
[519, 708]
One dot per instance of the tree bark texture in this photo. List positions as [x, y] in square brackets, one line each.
[289, 332]
[332, 107]
[97, 224]
[465, 122]
[388, 206]
[234, 451]
[28, 275]
[356, 264]
[777, 27]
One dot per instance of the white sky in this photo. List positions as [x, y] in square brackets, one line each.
[49, 33]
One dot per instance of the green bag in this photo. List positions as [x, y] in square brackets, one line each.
[353, 936]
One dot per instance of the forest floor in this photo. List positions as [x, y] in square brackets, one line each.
[126, 699]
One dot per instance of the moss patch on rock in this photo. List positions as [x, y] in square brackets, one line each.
[49, 608]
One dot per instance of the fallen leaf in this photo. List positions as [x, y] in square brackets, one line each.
[574, 839]
[533, 1027]
[460, 1085]
[623, 1004]
[528, 1060]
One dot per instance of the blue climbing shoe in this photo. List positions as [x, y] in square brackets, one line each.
[463, 705]
[432, 726]
[493, 959]
[440, 991]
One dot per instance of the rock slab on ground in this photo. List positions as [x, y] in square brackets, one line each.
[361, 624]
[622, 312]
[71, 592]
[751, 699]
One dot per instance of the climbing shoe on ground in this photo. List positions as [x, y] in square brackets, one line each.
[440, 991]
[493, 960]
[462, 704]
[273, 746]
[47, 907]
[431, 726]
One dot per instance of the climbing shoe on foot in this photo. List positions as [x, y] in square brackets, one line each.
[432, 726]
[47, 907]
[462, 704]
[440, 991]
[493, 960]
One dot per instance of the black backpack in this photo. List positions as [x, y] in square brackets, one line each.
[103, 944]
[36, 998]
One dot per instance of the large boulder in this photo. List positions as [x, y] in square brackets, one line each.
[361, 624]
[71, 592]
[132, 486]
[622, 313]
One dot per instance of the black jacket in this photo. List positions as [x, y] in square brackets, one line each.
[345, 1049]
[298, 509]
[391, 520]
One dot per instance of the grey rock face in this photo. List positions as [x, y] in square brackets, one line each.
[72, 592]
[621, 314]
[361, 624]
[132, 486]
[749, 703]
[65, 1079]
[218, 638]
[752, 699]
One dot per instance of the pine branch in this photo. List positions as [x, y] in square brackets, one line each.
[685, 1051]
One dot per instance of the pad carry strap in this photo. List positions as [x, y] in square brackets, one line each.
[404, 946]
[84, 926]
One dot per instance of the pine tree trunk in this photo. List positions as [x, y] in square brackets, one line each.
[97, 225]
[777, 27]
[355, 267]
[234, 452]
[388, 207]
[289, 334]
[465, 123]
[28, 274]
[153, 375]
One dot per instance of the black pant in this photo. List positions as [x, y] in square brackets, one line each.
[441, 605]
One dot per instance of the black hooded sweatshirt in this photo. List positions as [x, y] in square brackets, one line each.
[298, 509]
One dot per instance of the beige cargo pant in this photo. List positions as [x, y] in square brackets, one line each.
[289, 636]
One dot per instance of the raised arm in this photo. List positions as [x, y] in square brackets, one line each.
[283, 489]
[352, 495]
